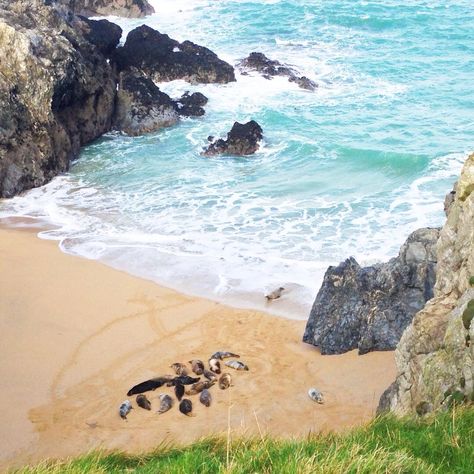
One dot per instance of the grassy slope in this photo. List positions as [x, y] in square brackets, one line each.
[443, 444]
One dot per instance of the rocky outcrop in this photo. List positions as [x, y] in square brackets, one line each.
[57, 93]
[435, 356]
[369, 308]
[243, 139]
[270, 68]
[104, 34]
[126, 8]
[165, 59]
[191, 105]
[141, 106]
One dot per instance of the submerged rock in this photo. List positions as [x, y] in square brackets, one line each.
[269, 68]
[165, 59]
[369, 308]
[141, 107]
[191, 105]
[243, 139]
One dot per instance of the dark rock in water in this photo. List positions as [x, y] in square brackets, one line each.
[369, 308]
[243, 139]
[126, 8]
[165, 59]
[191, 105]
[57, 93]
[140, 106]
[104, 34]
[269, 68]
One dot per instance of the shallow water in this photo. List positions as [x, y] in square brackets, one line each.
[350, 169]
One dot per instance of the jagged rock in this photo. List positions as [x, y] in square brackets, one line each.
[141, 107]
[435, 356]
[243, 139]
[165, 59]
[102, 33]
[56, 93]
[369, 308]
[449, 200]
[191, 105]
[126, 8]
[270, 68]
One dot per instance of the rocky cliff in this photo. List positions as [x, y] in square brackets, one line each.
[435, 356]
[126, 8]
[368, 308]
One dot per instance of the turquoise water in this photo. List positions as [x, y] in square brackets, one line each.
[350, 169]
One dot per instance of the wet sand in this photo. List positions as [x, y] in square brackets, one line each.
[76, 335]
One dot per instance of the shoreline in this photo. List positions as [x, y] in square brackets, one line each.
[78, 334]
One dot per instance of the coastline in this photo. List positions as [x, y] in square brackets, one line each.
[76, 335]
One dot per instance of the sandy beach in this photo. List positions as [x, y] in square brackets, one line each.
[76, 335]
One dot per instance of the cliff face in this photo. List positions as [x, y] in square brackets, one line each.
[126, 8]
[435, 356]
[57, 93]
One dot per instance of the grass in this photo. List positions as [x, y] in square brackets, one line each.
[440, 444]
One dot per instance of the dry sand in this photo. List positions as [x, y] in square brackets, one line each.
[76, 335]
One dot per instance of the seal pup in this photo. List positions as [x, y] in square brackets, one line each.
[209, 375]
[148, 385]
[215, 366]
[166, 402]
[223, 355]
[315, 395]
[179, 391]
[186, 407]
[143, 402]
[124, 409]
[237, 365]
[275, 294]
[225, 381]
[199, 387]
[205, 398]
[179, 368]
[197, 366]
[183, 380]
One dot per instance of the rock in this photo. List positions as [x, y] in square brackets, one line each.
[165, 59]
[243, 139]
[369, 308]
[57, 93]
[435, 356]
[126, 8]
[141, 107]
[270, 68]
[104, 34]
[449, 200]
[192, 105]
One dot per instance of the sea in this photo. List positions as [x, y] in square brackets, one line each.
[348, 170]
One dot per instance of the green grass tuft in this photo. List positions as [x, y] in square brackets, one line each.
[433, 444]
[468, 314]
[471, 280]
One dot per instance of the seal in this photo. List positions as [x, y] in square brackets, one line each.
[237, 365]
[316, 395]
[197, 366]
[223, 355]
[186, 407]
[199, 387]
[179, 368]
[225, 381]
[151, 384]
[275, 294]
[215, 366]
[183, 380]
[179, 391]
[209, 375]
[143, 402]
[205, 398]
[124, 409]
[166, 402]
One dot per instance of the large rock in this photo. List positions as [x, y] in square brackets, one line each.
[141, 106]
[435, 356]
[126, 8]
[243, 139]
[191, 105]
[270, 68]
[57, 93]
[165, 59]
[104, 34]
[369, 308]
